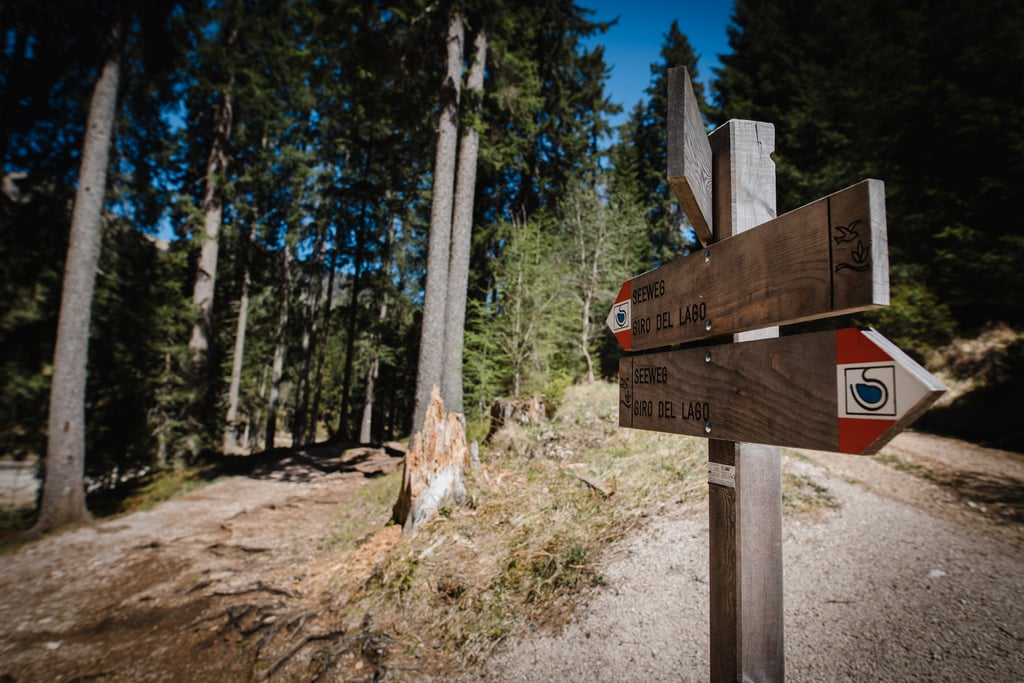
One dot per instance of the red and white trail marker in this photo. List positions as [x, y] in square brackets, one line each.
[879, 390]
[619, 319]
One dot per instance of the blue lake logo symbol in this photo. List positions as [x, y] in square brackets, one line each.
[620, 316]
[871, 390]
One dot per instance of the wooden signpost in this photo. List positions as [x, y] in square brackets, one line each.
[847, 390]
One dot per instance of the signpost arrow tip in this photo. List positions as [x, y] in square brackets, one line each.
[619, 320]
[879, 388]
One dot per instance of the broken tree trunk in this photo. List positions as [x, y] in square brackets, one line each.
[533, 410]
[435, 467]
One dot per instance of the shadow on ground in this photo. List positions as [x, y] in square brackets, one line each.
[298, 465]
[990, 415]
[1004, 495]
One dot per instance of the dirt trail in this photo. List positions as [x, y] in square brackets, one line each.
[163, 594]
[914, 576]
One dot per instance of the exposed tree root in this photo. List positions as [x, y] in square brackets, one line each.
[258, 586]
[306, 640]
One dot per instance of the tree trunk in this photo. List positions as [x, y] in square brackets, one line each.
[63, 500]
[517, 336]
[298, 424]
[591, 281]
[366, 424]
[213, 210]
[277, 372]
[431, 353]
[231, 428]
[461, 243]
[585, 339]
[350, 341]
[257, 420]
[372, 374]
[322, 353]
[309, 345]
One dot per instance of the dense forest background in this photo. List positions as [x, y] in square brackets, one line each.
[294, 141]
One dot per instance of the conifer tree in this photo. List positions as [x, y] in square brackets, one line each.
[431, 354]
[908, 94]
[63, 499]
[640, 158]
[462, 226]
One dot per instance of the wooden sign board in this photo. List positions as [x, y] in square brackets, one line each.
[827, 258]
[849, 391]
[689, 154]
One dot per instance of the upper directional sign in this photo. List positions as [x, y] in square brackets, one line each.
[689, 154]
[849, 391]
[824, 259]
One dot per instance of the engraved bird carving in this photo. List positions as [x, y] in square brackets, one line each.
[846, 233]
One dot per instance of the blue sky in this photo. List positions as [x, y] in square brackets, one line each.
[632, 45]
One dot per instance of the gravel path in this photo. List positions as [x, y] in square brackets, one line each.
[904, 581]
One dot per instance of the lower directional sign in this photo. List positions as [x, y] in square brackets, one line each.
[848, 390]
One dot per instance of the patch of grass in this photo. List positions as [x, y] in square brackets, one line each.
[796, 455]
[910, 468]
[801, 495]
[525, 549]
[366, 510]
[148, 491]
[14, 521]
[477, 428]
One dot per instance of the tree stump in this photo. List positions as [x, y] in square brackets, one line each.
[533, 410]
[435, 467]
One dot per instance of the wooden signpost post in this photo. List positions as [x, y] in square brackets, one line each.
[847, 390]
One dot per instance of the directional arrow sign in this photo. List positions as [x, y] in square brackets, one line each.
[824, 259]
[848, 390]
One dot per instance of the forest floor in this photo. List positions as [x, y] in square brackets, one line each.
[900, 567]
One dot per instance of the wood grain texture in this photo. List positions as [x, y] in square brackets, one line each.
[746, 591]
[743, 176]
[723, 581]
[824, 259]
[689, 154]
[779, 391]
[859, 246]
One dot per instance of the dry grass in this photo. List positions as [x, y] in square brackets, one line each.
[525, 549]
[804, 497]
[968, 364]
